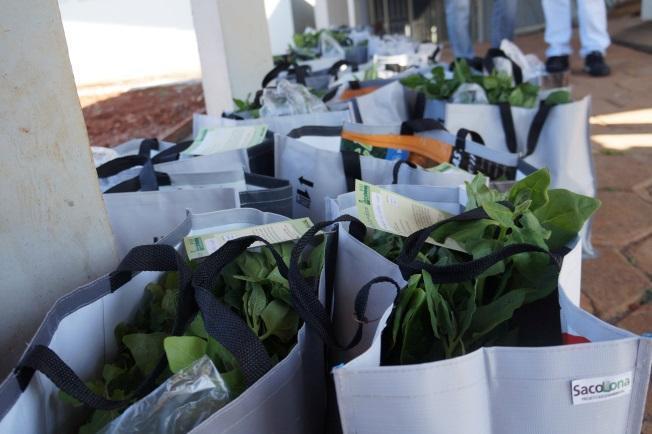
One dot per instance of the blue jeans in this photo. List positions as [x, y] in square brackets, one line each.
[503, 21]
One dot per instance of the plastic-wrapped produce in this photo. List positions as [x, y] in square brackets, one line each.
[178, 405]
[289, 99]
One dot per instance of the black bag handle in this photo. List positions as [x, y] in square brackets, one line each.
[507, 122]
[221, 323]
[397, 168]
[462, 134]
[493, 53]
[172, 153]
[360, 307]
[315, 130]
[304, 292]
[415, 126]
[537, 126]
[457, 272]
[274, 72]
[155, 257]
[146, 146]
[335, 67]
[134, 184]
[352, 168]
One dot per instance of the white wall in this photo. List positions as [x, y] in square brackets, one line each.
[134, 40]
[54, 232]
[122, 40]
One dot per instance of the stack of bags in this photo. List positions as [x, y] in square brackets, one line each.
[402, 258]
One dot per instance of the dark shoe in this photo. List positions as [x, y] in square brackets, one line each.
[595, 65]
[556, 64]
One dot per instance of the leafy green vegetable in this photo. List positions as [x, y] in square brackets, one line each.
[247, 106]
[252, 286]
[432, 321]
[498, 86]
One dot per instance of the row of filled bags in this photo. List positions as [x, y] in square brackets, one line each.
[316, 156]
[471, 323]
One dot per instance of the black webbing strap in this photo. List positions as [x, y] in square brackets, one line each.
[147, 177]
[419, 106]
[415, 126]
[147, 145]
[155, 257]
[315, 131]
[330, 94]
[304, 291]
[508, 126]
[352, 168]
[335, 67]
[274, 72]
[222, 323]
[172, 153]
[120, 164]
[462, 134]
[397, 169]
[537, 126]
[488, 63]
[457, 272]
[360, 307]
[133, 184]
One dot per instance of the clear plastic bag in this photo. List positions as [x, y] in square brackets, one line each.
[329, 47]
[178, 405]
[532, 67]
[470, 93]
[289, 99]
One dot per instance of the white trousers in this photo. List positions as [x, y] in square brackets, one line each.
[592, 16]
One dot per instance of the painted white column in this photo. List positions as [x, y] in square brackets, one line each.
[280, 21]
[330, 13]
[54, 231]
[234, 49]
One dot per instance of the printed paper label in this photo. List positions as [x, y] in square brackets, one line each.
[213, 140]
[203, 245]
[590, 390]
[382, 209]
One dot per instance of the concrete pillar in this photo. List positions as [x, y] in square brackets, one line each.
[331, 13]
[234, 49]
[54, 231]
[280, 21]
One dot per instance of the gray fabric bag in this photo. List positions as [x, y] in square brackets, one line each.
[146, 216]
[317, 173]
[79, 328]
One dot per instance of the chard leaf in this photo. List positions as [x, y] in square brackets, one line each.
[564, 215]
[197, 328]
[183, 351]
[489, 316]
[145, 348]
[280, 321]
[499, 213]
[535, 186]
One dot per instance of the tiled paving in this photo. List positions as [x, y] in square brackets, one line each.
[617, 285]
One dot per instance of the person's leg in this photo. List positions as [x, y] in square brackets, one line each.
[592, 17]
[503, 21]
[558, 27]
[459, 34]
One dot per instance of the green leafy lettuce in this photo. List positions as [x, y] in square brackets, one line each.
[252, 286]
[432, 321]
[498, 86]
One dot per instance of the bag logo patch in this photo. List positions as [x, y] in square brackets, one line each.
[590, 390]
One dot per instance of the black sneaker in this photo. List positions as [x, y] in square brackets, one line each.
[556, 64]
[595, 65]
